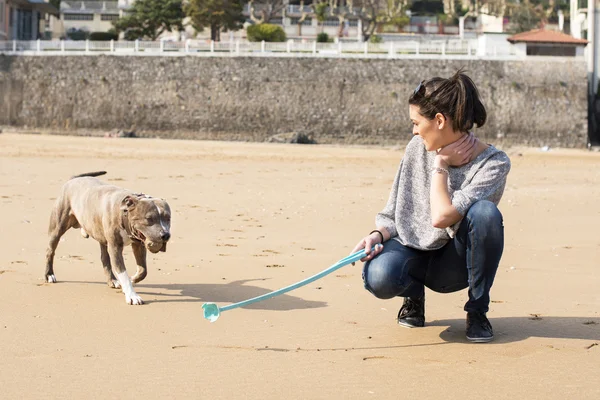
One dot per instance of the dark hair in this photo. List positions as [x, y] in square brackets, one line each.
[456, 98]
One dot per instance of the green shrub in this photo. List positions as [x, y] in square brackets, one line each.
[322, 37]
[103, 36]
[375, 39]
[266, 32]
[78, 34]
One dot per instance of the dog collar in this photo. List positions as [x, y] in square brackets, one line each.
[131, 232]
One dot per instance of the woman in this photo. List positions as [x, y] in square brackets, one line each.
[441, 227]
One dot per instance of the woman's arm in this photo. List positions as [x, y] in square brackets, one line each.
[443, 213]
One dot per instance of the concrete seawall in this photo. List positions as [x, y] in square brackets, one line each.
[349, 101]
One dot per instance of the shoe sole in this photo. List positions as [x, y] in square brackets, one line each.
[480, 340]
[405, 324]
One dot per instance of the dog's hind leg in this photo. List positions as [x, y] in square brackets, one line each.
[111, 280]
[60, 222]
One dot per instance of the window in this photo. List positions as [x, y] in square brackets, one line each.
[109, 17]
[331, 22]
[78, 17]
[307, 21]
[551, 50]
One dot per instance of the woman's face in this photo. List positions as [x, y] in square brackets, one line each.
[433, 132]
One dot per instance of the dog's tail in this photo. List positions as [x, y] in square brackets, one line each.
[92, 174]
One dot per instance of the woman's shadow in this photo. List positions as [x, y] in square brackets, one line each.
[514, 329]
[230, 292]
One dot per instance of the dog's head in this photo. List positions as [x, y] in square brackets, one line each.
[149, 219]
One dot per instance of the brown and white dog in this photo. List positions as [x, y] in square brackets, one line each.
[116, 218]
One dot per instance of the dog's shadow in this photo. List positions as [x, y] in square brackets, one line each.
[514, 329]
[230, 292]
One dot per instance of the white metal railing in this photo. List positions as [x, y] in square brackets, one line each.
[400, 49]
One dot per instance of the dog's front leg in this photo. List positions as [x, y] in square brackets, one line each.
[118, 265]
[139, 251]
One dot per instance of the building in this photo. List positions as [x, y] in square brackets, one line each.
[540, 42]
[3, 20]
[24, 19]
[86, 16]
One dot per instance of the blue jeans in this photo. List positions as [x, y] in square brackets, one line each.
[470, 260]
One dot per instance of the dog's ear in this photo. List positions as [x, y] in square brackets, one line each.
[129, 203]
[164, 247]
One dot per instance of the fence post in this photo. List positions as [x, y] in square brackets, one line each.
[187, 45]
[87, 45]
[391, 50]
[38, 45]
[315, 47]
[212, 46]
[262, 46]
[162, 46]
[112, 45]
[136, 45]
[366, 49]
[339, 47]
[417, 48]
[443, 48]
[289, 46]
[469, 48]
[237, 46]
[62, 46]
[14, 45]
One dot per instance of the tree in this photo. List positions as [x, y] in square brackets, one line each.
[395, 13]
[370, 16]
[303, 15]
[321, 10]
[217, 14]
[340, 9]
[526, 16]
[375, 13]
[150, 18]
[267, 9]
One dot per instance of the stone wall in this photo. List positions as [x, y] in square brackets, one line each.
[358, 101]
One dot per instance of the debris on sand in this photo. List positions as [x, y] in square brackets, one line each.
[120, 133]
[291, 137]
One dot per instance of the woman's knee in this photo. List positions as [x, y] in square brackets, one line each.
[382, 279]
[485, 213]
[485, 223]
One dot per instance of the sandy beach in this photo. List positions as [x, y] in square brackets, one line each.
[249, 218]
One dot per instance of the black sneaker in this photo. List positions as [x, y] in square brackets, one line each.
[412, 312]
[479, 329]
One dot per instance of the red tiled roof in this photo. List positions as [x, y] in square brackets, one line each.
[543, 36]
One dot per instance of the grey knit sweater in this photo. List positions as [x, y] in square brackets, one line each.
[407, 215]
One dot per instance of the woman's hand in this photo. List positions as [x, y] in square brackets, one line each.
[367, 243]
[457, 153]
